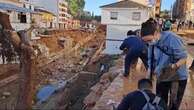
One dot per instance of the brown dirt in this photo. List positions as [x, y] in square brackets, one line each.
[56, 69]
[7, 70]
[52, 44]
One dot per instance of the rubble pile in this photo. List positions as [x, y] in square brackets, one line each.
[102, 85]
[56, 71]
[60, 55]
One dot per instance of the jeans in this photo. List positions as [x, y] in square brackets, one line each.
[133, 56]
[164, 88]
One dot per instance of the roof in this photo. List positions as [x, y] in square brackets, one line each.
[11, 7]
[41, 9]
[125, 4]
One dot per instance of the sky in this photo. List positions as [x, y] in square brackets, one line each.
[166, 4]
[93, 5]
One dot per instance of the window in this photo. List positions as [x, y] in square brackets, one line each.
[136, 16]
[22, 18]
[114, 15]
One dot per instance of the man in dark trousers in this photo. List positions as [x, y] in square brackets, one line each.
[137, 100]
[167, 60]
[134, 47]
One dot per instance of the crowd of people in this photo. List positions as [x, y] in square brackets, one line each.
[164, 56]
[167, 24]
[184, 24]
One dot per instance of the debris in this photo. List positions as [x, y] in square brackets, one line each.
[48, 90]
[45, 92]
[6, 94]
[61, 41]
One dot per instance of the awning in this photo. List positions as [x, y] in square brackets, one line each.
[11, 7]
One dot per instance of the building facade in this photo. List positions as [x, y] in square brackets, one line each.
[120, 17]
[44, 18]
[20, 12]
[182, 9]
[157, 7]
[62, 14]
[59, 8]
[154, 6]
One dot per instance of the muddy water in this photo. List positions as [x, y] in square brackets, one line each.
[71, 98]
[80, 89]
[86, 81]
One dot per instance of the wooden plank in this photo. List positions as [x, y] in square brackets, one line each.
[8, 80]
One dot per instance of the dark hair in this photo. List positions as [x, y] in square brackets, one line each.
[148, 28]
[151, 19]
[144, 83]
[130, 32]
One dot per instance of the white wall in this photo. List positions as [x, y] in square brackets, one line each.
[124, 16]
[117, 29]
[117, 32]
[20, 26]
[15, 22]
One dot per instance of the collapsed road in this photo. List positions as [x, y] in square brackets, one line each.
[60, 57]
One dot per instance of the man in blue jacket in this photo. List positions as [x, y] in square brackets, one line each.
[134, 47]
[166, 52]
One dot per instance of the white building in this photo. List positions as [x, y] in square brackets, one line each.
[144, 2]
[154, 6]
[20, 12]
[120, 17]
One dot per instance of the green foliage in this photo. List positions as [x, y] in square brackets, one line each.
[165, 14]
[76, 7]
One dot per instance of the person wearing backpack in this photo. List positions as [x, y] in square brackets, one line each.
[142, 99]
[167, 60]
[167, 25]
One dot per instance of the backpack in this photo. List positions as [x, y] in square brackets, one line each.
[167, 24]
[151, 105]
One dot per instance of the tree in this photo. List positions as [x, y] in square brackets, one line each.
[19, 44]
[97, 18]
[165, 14]
[93, 17]
[76, 7]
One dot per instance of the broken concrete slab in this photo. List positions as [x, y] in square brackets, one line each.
[98, 89]
[6, 94]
